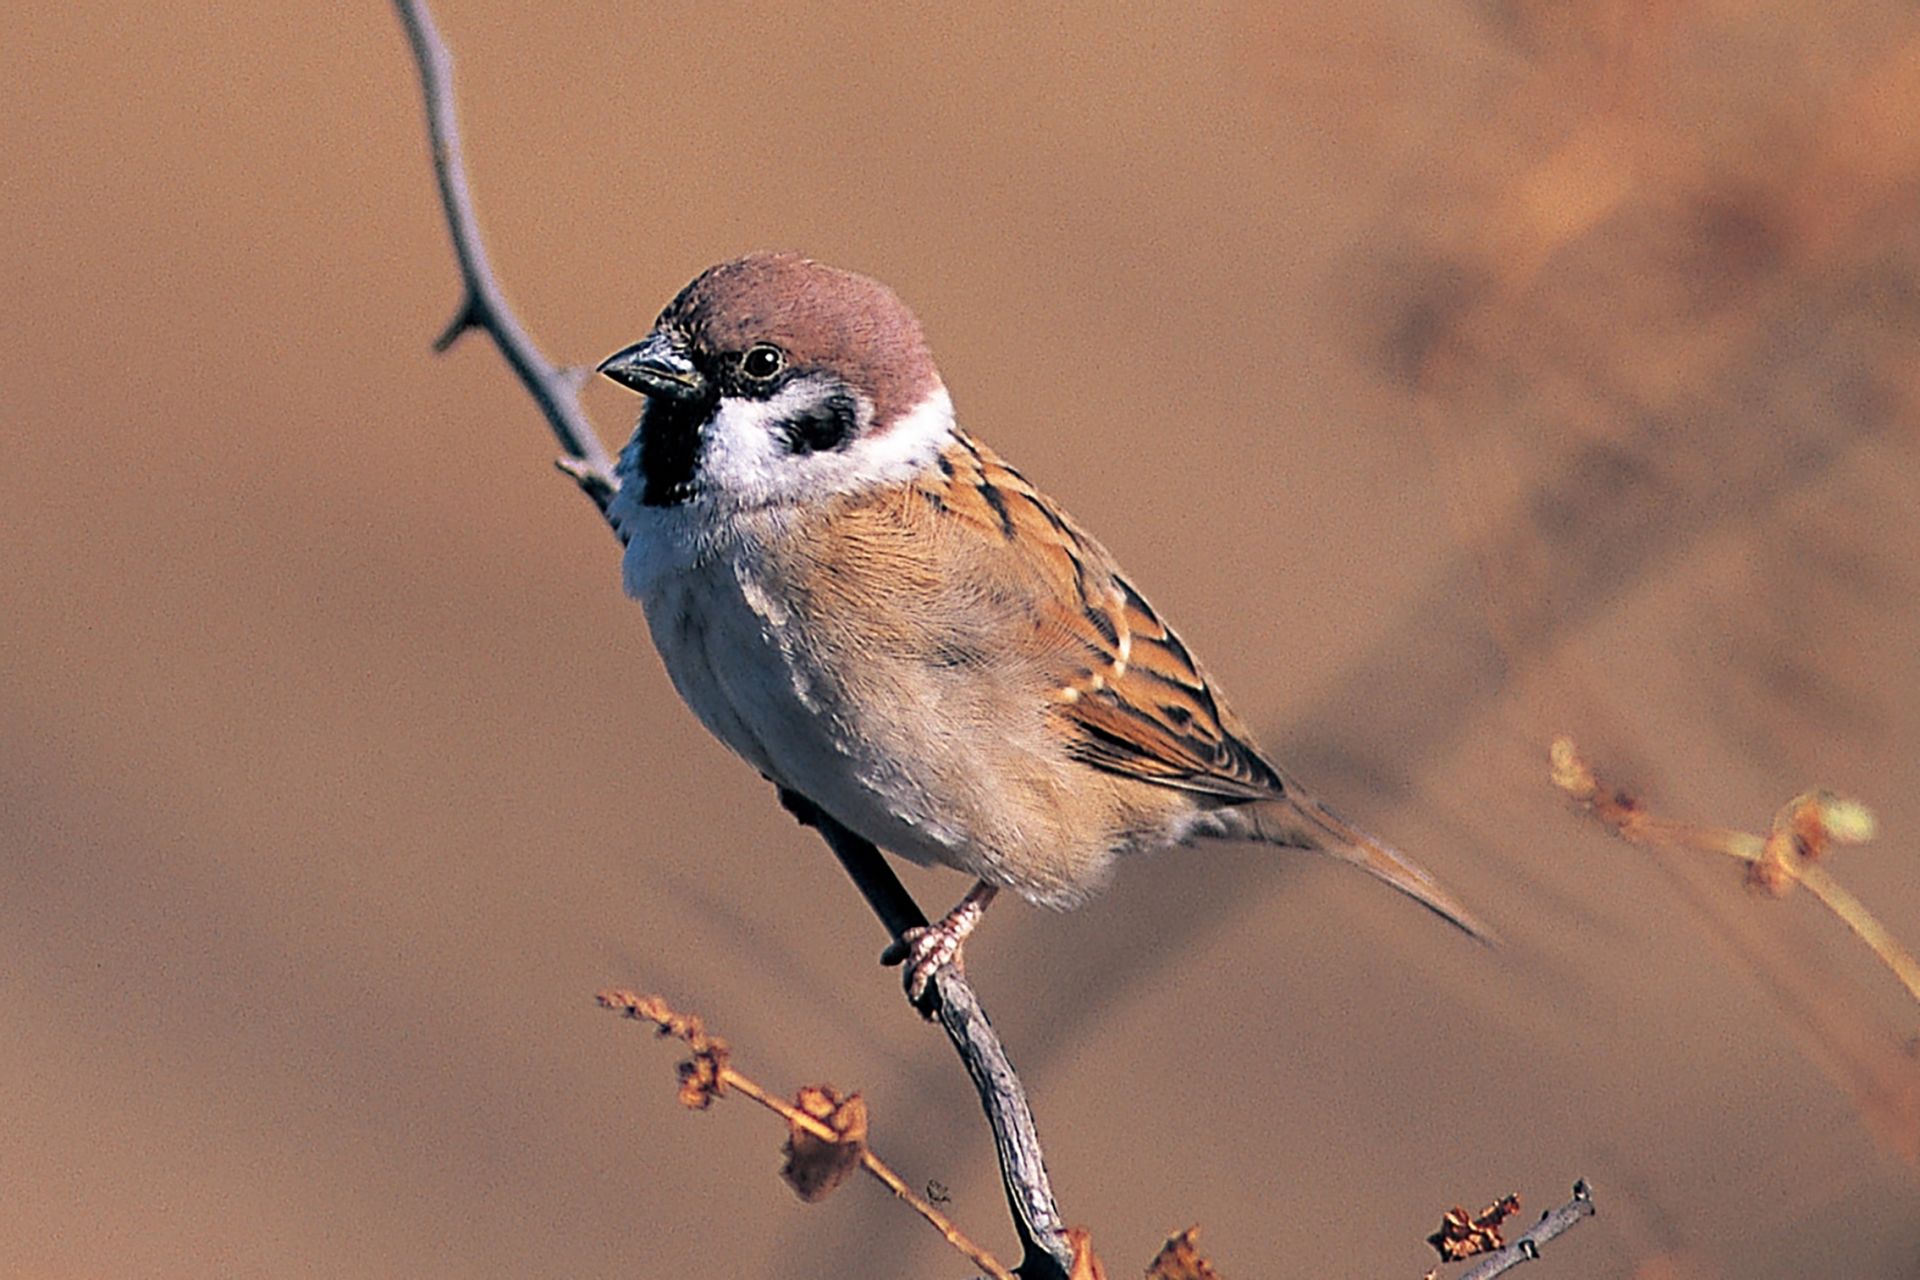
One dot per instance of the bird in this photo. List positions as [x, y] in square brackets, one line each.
[881, 615]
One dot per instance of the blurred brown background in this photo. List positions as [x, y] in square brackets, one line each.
[1453, 375]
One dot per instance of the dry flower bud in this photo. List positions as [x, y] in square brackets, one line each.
[816, 1165]
[1085, 1265]
[1463, 1235]
[1178, 1259]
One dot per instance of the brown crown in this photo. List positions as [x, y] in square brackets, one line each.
[823, 317]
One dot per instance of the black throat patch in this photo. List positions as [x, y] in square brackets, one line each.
[670, 449]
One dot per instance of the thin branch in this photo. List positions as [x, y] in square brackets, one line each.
[1048, 1254]
[1804, 831]
[722, 1075]
[483, 306]
[1525, 1248]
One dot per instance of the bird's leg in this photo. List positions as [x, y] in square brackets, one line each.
[926, 948]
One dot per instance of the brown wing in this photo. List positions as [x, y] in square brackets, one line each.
[1129, 695]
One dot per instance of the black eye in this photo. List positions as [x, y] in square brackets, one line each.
[763, 361]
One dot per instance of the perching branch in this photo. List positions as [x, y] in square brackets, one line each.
[1048, 1253]
[1526, 1247]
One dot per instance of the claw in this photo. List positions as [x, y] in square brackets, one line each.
[926, 949]
[923, 951]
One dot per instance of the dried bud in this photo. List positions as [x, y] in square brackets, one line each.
[1178, 1259]
[1462, 1235]
[1085, 1265]
[816, 1165]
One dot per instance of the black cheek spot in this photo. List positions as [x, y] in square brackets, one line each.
[821, 427]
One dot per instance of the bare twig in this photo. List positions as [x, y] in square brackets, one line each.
[718, 1075]
[1804, 831]
[1048, 1254]
[483, 306]
[1526, 1247]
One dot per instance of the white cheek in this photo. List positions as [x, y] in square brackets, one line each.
[896, 454]
[742, 456]
[746, 459]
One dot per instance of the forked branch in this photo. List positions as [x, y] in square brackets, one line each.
[483, 305]
[1805, 831]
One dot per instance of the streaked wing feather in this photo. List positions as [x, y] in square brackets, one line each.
[1132, 698]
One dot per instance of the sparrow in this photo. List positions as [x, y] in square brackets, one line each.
[878, 613]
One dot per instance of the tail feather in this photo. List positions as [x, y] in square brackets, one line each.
[1299, 821]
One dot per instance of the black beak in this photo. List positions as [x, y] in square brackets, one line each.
[656, 366]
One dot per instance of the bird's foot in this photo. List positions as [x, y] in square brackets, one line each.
[926, 949]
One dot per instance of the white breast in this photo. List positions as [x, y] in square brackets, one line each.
[721, 652]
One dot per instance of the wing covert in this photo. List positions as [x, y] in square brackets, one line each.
[1130, 697]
